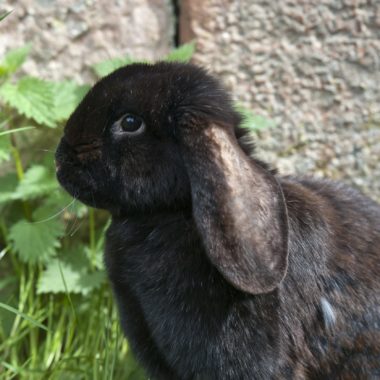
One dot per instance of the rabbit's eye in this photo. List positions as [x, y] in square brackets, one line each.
[131, 124]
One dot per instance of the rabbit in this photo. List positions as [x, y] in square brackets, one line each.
[221, 268]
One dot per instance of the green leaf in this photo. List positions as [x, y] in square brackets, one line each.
[99, 247]
[5, 149]
[181, 54]
[91, 281]
[46, 212]
[33, 98]
[95, 257]
[14, 60]
[36, 242]
[51, 280]
[67, 96]
[78, 209]
[37, 181]
[61, 277]
[75, 257]
[61, 201]
[45, 102]
[8, 185]
[29, 319]
[104, 68]
[252, 121]
[70, 273]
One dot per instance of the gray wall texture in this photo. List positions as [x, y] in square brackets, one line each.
[312, 66]
[68, 36]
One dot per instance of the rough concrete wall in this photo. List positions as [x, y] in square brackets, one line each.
[70, 35]
[311, 65]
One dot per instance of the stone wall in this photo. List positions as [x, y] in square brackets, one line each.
[70, 35]
[312, 66]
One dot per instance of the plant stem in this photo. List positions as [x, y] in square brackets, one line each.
[4, 231]
[18, 162]
[91, 216]
[20, 175]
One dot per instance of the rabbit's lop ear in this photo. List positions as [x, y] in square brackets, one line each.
[239, 210]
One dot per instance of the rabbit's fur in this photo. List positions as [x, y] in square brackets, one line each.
[221, 268]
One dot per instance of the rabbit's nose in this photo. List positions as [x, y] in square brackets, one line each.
[87, 147]
[88, 151]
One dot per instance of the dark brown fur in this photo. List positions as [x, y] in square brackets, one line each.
[222, 269]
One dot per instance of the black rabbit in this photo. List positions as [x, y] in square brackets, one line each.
[221, 268]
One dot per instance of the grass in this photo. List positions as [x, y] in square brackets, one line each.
[60, 336]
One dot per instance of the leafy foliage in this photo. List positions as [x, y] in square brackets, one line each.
[36, 242]
[182, 53]
[5, 149]
[253, 121]
[91, 281]
[71, 274]
[59, 277]
[67, 95]
[14, 59]
[106, 67]
[47, 103]
[45, 332]
[9, 183]
[31, 97]
[59, 202]
[37, 181]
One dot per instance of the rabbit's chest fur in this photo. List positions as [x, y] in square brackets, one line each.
[192, 315]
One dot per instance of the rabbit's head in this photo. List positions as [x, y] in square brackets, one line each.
[150, 138]
[119, 149]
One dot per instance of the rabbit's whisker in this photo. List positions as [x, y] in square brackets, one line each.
[73, 226]
[46, 151]
[70, 229]
[74, 231]
[55, 215]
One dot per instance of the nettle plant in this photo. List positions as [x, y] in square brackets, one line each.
[34, 211]
[57, 317]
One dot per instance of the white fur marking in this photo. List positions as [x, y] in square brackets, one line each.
[328, 313]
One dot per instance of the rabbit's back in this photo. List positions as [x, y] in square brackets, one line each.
[332, 288]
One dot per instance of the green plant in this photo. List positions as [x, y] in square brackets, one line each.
[253, 121]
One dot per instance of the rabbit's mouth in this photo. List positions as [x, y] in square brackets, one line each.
[80, 173]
